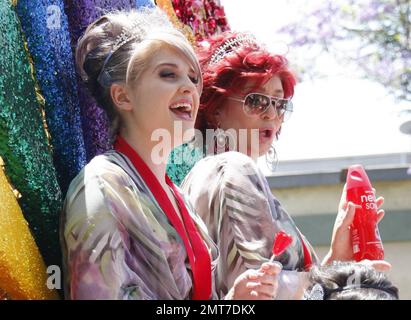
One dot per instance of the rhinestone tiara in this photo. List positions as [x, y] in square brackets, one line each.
[145, 21]
[135, 31]
[230, 45]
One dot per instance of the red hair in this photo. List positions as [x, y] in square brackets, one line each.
[229, 75]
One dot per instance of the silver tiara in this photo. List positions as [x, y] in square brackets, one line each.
[135, 31]
[230, 45]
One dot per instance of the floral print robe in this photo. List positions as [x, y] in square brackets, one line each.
[117, 242]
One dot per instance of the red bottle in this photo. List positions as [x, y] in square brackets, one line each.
[365, 236]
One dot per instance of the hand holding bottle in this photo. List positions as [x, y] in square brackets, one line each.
[365, 236]
[341, 244]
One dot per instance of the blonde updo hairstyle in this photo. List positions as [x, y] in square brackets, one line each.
[148, 30]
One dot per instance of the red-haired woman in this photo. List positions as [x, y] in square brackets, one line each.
[246, 99]
[127, 231]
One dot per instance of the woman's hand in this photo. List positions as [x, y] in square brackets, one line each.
[261, 284]
[341, 245]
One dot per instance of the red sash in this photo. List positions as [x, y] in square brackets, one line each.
[308, 261]
[197, 251]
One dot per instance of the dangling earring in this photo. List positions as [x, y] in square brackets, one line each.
[271, 159]
[220, 140]
[277, 134]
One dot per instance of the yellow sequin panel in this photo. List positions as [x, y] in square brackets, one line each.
[22, 270]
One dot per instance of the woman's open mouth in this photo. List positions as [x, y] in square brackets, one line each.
[182, 110]
[266, 134]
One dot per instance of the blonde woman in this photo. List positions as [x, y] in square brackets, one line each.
[127, 231]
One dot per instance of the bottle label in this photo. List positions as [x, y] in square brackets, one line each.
[366, 241]
[368, 200]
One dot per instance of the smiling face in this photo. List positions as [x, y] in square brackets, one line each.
[232, 115]
[166, 92]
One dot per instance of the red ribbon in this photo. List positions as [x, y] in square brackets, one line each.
[197, 251]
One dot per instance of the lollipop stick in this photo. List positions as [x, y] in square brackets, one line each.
[272, 258]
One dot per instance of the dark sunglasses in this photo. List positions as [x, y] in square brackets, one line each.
[256, 103]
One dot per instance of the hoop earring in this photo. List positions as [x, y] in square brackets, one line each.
[271, 159]
[220, 141]
[277, 134]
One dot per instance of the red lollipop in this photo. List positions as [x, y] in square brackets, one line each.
[281, 243]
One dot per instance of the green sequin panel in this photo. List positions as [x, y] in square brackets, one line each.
[23, 141]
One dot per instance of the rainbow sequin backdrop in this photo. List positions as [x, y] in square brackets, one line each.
[49, 126]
